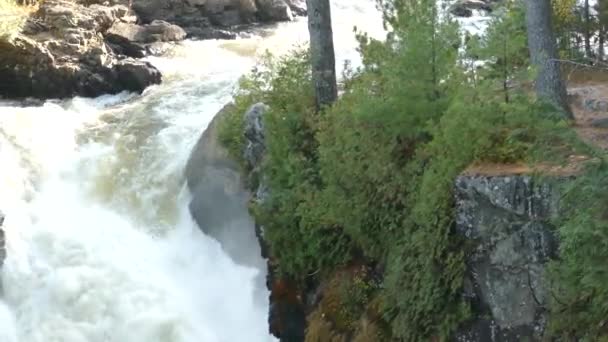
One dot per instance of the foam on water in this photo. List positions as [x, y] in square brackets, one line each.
[85, 267]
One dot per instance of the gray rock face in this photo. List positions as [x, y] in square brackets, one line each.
[219, 206]
[133, 40]
[505, 220]
[254, 132]
[156, 31]
[61, 52]
[219, 199]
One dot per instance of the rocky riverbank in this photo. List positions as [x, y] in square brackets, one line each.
[90, 47]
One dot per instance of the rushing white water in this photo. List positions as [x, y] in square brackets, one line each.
[101, 247]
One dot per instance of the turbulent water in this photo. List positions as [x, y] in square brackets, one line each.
[101, 246]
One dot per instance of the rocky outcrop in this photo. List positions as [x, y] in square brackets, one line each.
[156, 31]
[131, 39]
[219, 205]
[61, 52]
[505, 219]
[465, 8]
[212, 18]
[287, 312]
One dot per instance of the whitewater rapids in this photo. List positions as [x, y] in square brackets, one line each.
[101, 246]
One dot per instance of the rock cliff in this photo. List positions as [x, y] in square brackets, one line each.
[505, 219]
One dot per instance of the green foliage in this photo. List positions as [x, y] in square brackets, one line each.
[346, 298]
[580, 275]
[355, 295]
[301, 242]
[371, 177]
[252, 88]
[502, 50]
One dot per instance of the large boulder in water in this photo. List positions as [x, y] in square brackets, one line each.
[61, 52]
[219, 202]
[156, 31]
[131, 39]
[275, 10]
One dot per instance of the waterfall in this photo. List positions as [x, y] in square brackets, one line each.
[101, 246]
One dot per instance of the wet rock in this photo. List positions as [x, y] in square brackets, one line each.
[159, 48]
[219, 202]
[220, 207]
[157, 31]
[226, 18]
[200, 18]
[465, 8]
[506, 221]
[274, 10]
[298, 7]
[136, 75]
[210, 33]
[62, 53]
[132, 40]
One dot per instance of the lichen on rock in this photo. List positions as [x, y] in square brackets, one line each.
[505, 220]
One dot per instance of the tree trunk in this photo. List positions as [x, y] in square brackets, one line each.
[588, 52]
[322, 52]
[600, 47]
[543, 54]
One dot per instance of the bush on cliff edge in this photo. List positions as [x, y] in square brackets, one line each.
[370, 179]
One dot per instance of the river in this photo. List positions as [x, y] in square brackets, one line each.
[101, 246]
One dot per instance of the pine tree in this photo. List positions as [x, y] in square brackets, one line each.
[322, 52]
[587, 28]
[549, 84]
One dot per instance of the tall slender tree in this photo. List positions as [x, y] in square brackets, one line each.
[322, 52]
[601, 8]
[587, 29]
[543, 54]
